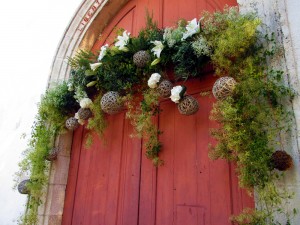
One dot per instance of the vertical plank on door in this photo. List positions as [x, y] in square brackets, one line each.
[72, 177]
[165, 174]
[130, 178]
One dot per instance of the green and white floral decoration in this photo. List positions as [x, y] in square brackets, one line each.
[250, 119]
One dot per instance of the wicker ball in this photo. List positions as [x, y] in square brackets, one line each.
[72, 123]
[188, 105]
[281, 160]
[164, 88]
[52, 154]
[110, 102]
[141, 58]
[223, 87]
[22, 187]
[84, 113]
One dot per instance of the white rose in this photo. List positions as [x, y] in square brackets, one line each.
[153, 80]
[85, 103]
[175, 93]
[94, 66]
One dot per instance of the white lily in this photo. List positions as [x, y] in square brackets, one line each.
[94, 66]
[158, 48]
[103, 51]
[175, 93]
[122, 41]
[153, 80]
[191, 28]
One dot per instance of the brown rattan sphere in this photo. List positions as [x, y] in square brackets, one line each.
[22, 187]
[281, 160]
[84, 113]
[164, 88]
[52, 154]
[72, 123]
[223, 87]
[188, 105]
[111, 103]
[141, 58]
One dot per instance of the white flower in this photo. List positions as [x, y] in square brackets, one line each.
[103, 51]
[81, 121]
[85, 103]
[191, 28]
[175, 93]
[153, 80]
[158, 48]
[76, 116]
[167, 37]
[70, 87]
[122, 41]
[94, 66]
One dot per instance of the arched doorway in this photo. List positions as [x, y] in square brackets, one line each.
[114, 183]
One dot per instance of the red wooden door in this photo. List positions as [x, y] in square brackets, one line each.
[114, 183]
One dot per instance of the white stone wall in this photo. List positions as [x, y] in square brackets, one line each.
[282, 18]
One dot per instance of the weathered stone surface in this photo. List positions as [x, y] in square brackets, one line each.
[281, 17]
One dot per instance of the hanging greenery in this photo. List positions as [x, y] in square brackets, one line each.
[131, 73]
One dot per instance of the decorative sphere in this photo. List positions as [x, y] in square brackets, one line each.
[188, 105]
[72, 123]
[84, 113]
[281, 160]
[22, 187]
[52, 154]
[223, 87]
[111, 103]
[141, 58]
[164, 88]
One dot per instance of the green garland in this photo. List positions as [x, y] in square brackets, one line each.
[251, 118]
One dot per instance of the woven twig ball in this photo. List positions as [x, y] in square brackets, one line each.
[22, 187]
[84, 113]
[164, 88]
[188, 105]
[52, 154]
[281, 160]
[111, 103]
[72, 123]
[223, 87]
[141, 58]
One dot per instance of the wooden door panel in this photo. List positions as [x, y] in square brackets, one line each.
[191, 215]
[106, 190]
[188, 177]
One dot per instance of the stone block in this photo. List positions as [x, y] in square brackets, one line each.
[64, 143]
[54, 220]
[60, 170]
